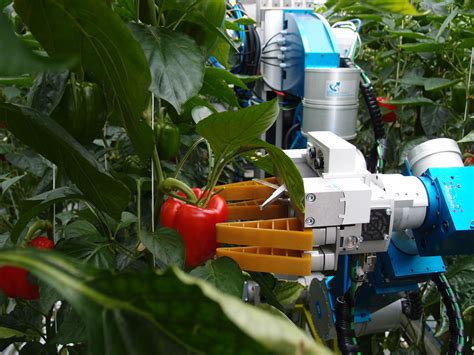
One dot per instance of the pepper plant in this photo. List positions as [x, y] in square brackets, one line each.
[84, 83]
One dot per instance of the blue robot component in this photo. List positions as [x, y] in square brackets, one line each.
[310, 44]
[449, 225]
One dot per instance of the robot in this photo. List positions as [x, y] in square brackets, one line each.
[365, 239]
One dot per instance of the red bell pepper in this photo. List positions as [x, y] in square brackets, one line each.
[196, 225]
[390, 116]
[14, 281]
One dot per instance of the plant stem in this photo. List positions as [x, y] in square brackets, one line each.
[186, 156]
[171, 184]
[158, 170]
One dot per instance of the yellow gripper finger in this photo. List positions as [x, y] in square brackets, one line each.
[284, 233]
[278, 261]
[246, 190]
[250, 210]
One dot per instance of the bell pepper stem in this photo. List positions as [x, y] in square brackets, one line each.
[40, 224]
[186, 156]
[170, 184]
[158, 169]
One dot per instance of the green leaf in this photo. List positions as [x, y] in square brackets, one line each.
[166, 245]
[288, 292]
[47, 91]
[223, 273]
[126, 220]
[107, 51]
[439, 83]
[232, 129]
[422, 47]
[267, 283]
[468, 139]
[286, 169]
[412, 101]
[53, 142]
[6, 184]
[262, 161]
[217, 84]
[10, 333]
[408, 34]
[17, 59]
[88, 250]
[176, 63]
[199, 19]
[141, 305]
[433, 118]
[398, 6]
[83, 229]
[447, 22]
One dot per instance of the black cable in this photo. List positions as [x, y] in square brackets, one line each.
[267, 43]
[271, 51]
[375, 114]
[454, 314]
[345, 332]
[412, 306]
[271, 64]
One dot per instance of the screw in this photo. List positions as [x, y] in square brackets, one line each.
[309, 221]
[386, 237]
[312, 152]
[388, 211]
[310, 197]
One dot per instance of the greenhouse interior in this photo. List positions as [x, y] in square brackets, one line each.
[236, 177]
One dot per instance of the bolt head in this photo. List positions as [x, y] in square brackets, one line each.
[310, 197]
[386, 237]
[388, 211]
[309, 221]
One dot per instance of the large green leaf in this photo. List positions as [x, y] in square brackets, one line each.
[286, 169]
[224, 273]
[200, 19]
[166, 245]
[53, 142]
[41, 202]
[231, 129]
[16, 58]
[216, 84]
[176, 63]
[422, 47]
[84, 242]
[433, 118]
[107, 51]
[140, 313]
[412, 101]
[439, 83]
[47, 91]
[399, 6]
[469, 138]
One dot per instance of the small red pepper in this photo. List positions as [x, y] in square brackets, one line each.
[14, 281]
[196, 225]
[390, 116]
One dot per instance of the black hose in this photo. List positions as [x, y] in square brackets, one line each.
[375, 114]
[412, 306]
[345, 332]
[454, 313]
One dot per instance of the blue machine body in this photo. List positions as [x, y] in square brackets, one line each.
[310, 44]
[448, 228]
